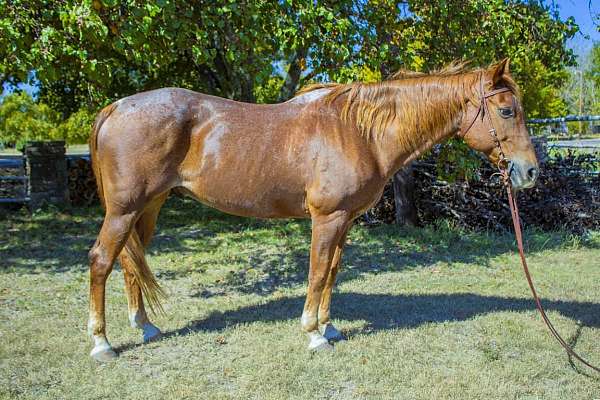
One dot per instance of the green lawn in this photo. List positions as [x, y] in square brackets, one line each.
[429, 313]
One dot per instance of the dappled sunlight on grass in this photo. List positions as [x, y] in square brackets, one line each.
[419, 306]
[249, 255]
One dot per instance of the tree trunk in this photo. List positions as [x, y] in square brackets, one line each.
[403, 183]
[292, 78]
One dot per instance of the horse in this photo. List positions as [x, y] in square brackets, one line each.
[325, 154]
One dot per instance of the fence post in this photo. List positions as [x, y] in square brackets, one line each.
[403, 183]
[564, 128]
[540, 145]
[47, 171]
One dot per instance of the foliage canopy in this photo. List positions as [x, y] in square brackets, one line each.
[91, 52]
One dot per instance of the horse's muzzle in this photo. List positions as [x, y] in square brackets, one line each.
[523, 174]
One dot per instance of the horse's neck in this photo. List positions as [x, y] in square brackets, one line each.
[393, 155]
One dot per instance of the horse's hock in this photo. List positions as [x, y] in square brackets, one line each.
[47, 170]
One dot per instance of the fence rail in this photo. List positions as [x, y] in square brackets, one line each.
[567, 118]
[559, 124]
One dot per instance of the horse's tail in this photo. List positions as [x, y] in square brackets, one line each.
[144, 277]
[134, 248]
[100, 118]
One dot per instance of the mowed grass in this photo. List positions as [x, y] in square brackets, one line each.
[428, 313]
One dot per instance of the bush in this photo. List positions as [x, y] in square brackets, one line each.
[565, 196]
[23, 119]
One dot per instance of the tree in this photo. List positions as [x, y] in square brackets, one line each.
[423, 35]
[76, 128]
[594, 76]
[581, 92]
[92, 52]
[23, 119]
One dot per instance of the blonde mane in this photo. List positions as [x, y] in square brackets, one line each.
[426, 102]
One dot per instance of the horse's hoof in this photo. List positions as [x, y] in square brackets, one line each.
[151, 333]
[332, 334]
[103, 353]
[322, 348]
[318, 342]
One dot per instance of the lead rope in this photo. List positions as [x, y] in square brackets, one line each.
[514, 210]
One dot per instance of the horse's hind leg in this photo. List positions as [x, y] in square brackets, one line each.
[137, 313]
[111, 239]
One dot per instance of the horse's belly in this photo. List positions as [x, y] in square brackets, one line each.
[241, 198]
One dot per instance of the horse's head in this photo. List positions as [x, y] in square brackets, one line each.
[494, 124]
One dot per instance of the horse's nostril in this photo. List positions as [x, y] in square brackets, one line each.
[533, 173]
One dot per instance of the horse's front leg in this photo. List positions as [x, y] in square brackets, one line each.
[327, 231]
[325, 326]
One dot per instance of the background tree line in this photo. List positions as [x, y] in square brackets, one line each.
[82, 55]
[581, 91]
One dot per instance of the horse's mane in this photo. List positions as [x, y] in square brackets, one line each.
[425, 107]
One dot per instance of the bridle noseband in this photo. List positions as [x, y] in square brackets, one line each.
[503, 162]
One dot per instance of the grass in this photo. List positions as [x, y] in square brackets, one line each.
[429, 313]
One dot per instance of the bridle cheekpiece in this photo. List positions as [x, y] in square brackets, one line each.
[483, 111]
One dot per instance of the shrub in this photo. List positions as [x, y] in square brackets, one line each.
[23, 119]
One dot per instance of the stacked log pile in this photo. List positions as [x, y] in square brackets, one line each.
[12, 188]
[82, 184]
[566, 196]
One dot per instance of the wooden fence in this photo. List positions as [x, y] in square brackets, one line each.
[559, 125]
[36, 178]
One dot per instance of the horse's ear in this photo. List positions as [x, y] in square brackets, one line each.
[499, 70]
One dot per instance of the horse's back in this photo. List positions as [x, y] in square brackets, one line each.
[165, 138]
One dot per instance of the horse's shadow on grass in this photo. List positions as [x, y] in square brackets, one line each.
[385, 312]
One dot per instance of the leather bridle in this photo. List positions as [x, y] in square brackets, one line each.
[483, 110]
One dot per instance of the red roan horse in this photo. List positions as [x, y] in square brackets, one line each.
[325, 154]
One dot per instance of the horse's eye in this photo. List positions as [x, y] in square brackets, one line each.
[506, 112]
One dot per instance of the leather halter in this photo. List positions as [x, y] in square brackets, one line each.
[514, 210]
